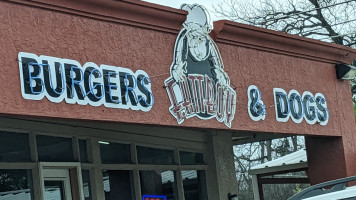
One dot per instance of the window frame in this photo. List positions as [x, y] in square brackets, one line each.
[94, 164]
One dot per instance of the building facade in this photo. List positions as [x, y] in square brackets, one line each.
[131, 100]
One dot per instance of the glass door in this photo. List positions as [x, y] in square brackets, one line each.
[56, 184]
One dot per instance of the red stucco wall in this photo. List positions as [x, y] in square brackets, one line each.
[251, 56]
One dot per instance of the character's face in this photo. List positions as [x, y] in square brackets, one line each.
[198, 45]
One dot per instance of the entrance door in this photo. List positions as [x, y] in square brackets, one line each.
[56, 184]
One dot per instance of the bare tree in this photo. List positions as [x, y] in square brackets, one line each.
[331, 20]
[252, 154]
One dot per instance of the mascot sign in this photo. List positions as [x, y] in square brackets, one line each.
[198, 85]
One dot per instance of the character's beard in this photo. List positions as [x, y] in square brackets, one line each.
[198, 49]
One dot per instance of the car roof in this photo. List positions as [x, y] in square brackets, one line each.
[338, 195]
[330, 190]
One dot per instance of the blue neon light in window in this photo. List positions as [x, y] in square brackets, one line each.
[153, 197]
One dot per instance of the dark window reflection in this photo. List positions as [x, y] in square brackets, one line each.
[83, 151]
[191, 158]
[194, 185]
[16, 184]
[118, 185]
[86, 184]
[54, 149]
[14, 147]
[147, 155]
[114, 152]
[160, 183]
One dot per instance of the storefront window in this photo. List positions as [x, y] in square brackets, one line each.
[114, 152]
[83, 151]
[191, 158]
[86, 184]
[147, 155]
[54, 149]
[118, 185]
[14, 147]
[160, 183]
[16, 184]
[194, 185]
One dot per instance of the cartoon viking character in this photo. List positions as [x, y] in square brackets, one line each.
[195, 51]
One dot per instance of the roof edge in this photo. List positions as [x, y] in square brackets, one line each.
[278, 42]
[130, 12]
[279, 169]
